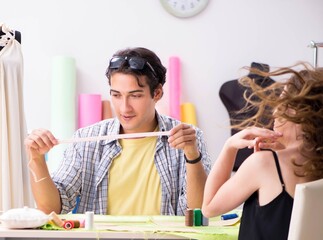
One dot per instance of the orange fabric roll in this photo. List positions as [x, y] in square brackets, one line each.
[106, 109]
[188, 114]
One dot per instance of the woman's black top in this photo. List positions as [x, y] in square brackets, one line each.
[270, 221]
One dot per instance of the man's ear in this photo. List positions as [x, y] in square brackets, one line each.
[158, 93]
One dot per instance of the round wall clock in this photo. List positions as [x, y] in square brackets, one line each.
[184, 8]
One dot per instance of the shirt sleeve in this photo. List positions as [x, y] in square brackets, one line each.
[67, 179]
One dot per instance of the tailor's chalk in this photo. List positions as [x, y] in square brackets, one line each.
[229, 216]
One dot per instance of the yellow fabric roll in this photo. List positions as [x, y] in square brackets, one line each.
[188, 114]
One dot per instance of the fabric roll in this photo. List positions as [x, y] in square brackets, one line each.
[188, 113]
[106, 109]
[63, 105]
[175, 87]
[89, 109]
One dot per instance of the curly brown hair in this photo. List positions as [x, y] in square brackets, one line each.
[301, 92]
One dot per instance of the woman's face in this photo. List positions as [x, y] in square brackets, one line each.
[290, 130]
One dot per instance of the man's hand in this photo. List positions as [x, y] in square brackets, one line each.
[183, 136]
[39, 142]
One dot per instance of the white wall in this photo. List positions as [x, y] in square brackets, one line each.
[213, 46]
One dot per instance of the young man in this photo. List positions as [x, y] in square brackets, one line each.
[139, 176]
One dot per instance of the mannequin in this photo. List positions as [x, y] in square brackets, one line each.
[17, 36]
[15, 190]
[231, 94]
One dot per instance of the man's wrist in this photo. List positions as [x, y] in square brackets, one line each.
[193, 161]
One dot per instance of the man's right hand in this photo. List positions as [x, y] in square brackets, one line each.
[39, 142]
[45, 192]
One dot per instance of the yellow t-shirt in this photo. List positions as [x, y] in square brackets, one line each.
[134, 183]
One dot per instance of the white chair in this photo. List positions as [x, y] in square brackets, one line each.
[307, 214]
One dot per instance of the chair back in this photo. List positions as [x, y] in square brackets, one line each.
[307, 213]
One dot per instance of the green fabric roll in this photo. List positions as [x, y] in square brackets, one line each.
[63, 105]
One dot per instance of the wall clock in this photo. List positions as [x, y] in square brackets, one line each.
[184, 8]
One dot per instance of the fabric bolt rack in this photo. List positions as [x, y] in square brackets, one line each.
[315, 46]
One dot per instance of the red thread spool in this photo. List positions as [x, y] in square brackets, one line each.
[68, 224]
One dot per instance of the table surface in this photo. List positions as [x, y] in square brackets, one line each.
[132, 227]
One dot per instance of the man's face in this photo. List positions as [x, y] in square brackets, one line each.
[133, 105]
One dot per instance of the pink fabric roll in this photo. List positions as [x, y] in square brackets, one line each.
[89, 109]
[175, 87]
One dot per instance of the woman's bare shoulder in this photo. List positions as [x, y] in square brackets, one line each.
[261, 158]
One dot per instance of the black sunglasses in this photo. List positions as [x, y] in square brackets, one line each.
[135, 63]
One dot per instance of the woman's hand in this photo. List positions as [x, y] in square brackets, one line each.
[256, 138]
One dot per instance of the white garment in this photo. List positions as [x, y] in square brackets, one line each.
[15, 190]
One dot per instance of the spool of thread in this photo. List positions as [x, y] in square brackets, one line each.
[189, 217]
[89, 220]
[68, 224]
[57, 221]
[229, 216]
[197, 217]
[77, 223]
[82, 223]
[205, 221]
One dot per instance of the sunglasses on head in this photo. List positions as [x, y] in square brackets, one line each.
[135, 63]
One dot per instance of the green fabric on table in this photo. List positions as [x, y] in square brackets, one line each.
[174, 225]
[50, 226]
[206, 236]
[211, 233]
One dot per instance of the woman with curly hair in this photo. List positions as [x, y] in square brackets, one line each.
[287, 151]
